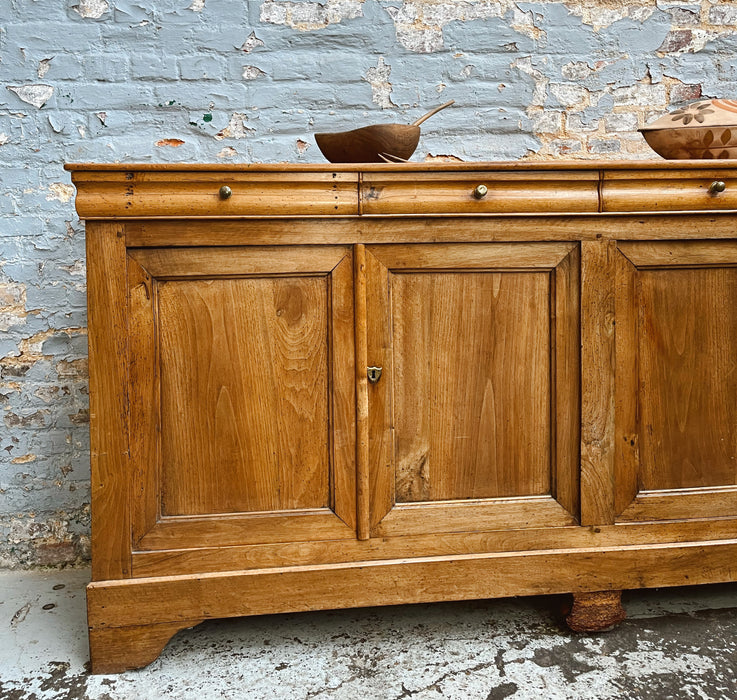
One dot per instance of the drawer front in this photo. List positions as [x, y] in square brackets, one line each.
[674, 190]
[486, 192]
[121, 194]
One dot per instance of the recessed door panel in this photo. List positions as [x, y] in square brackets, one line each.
[688, 377]
[244, 394]
[471, 384]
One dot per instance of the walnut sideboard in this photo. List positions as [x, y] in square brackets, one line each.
[338, 386]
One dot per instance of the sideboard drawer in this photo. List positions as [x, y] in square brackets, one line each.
[672, 190]
[479, 192]
[212, 193]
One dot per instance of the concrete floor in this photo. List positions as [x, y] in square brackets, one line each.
[678, 643]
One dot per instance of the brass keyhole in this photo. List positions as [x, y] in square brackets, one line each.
[374, 374]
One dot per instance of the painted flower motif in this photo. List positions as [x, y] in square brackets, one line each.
[695, 112]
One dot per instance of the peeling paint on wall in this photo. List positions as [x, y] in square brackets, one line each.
[308, 16]
[252, 72]
[91, 9]
[236, 128]
[192, 80]
[36, 95]
[381, 89]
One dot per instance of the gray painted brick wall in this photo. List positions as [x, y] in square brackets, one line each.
[252, 80]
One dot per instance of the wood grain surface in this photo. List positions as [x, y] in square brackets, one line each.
[155, 193]
[598, 276]
[413, 580]
[627, 428]
[675, 190]
[688, 383]
[144, 396]
[222, 232]
[118, 649]
[471, 384]
[107, 289]
[447, 193]
[244, 394]
[639, 531]
[93, 171]
[379, 354]
[565, 406]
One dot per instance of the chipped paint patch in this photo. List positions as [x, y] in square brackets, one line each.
[309, 16]
[236, 128]
[11, 319]
[12, 305]
[60, 191]
[253, 42]
[73, 369]
[91, 9]
[36, 95]
[197, 5]
[49, 540]
[381, 88]
[442, 158]
[252, 72]
[24, 459]
[227, 152]
[173, 143]
[43, 67]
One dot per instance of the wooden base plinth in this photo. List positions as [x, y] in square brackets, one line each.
[596, 612]
[131, 620]
[117, 649]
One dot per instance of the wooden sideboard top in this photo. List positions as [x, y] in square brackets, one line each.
[409, 167]
[155, 191]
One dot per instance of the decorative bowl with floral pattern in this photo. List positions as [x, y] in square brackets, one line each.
[704, 129]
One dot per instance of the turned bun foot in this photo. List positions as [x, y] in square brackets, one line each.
[596, 612]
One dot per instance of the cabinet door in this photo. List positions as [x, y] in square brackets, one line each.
[676, 380]
[474, 422]
[241, 395]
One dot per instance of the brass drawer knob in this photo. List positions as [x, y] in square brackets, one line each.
[225, 192]
[480, 191]
[717, 186]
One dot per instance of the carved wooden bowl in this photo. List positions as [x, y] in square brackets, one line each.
[369, 143]
[700, 130]
[378, 143]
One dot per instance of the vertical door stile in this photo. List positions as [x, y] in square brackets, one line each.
[362, 415]
[597, 381]
[565, 381]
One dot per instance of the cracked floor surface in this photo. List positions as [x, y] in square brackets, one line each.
[677, 643]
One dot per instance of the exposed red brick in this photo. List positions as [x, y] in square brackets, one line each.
[676, 40]
[54, 553]
[685, 93]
